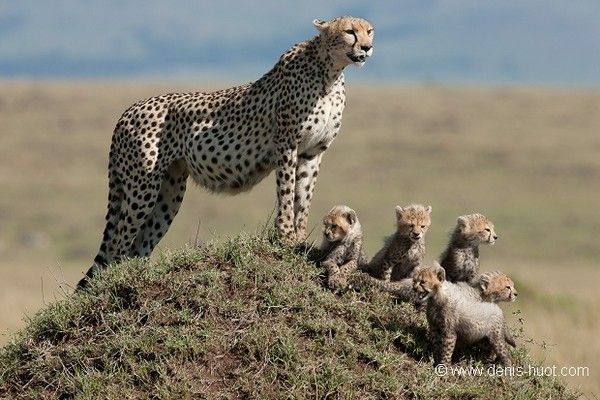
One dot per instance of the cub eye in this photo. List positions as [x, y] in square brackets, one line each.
[369, 31]
[333, 226]
[508, 287]
[423, 226]
[412, 225]
[487, 229]
[349, 31]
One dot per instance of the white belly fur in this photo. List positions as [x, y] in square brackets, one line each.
[323, 132]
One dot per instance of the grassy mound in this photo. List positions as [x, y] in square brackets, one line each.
[241, 319]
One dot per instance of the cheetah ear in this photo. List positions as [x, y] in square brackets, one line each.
[351, 217]
[417, 270]
[428, 209]
[320, 24]
[440, 271]
[483, 280]
[462, 221]
[483, 284]
[399, 211]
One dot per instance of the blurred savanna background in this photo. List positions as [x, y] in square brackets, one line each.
[490, 107]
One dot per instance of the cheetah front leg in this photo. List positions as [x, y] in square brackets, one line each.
[445, 347]
[286, 182]
[306, 178]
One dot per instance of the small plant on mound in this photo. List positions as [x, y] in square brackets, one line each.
[245, 318]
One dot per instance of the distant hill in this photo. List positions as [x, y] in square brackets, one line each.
[241, 319]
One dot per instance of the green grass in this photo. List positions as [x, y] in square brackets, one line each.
[243, 318]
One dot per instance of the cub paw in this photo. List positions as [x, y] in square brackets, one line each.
[337, 282]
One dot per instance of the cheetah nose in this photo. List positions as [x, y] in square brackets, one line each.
[495, 237]
[366, 48]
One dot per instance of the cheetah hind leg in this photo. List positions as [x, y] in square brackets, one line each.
[498, 343]
[168, 202]
[138, 201]
[113, 215]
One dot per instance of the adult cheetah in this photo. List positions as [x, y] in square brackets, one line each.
[229, 140]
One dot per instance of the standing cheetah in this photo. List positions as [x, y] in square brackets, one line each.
[229, 140]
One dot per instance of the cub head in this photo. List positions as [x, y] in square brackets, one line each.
[496, 286]
[339, 222]
[427, 280]
[349, 40]
[413, 221]
[476, 229]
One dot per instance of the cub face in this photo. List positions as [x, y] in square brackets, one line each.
[348, 39]
[427, 280]
[413, 221]
[476, 228]
[497, 286]
[338, 222]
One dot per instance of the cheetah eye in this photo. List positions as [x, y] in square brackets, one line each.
[423, 226]
[333, 226]
[508, 287]
[369, 31]
[412, 225]
[487, 230]
[349, 31]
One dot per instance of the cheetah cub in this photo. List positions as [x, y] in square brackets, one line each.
[342, 245]
[495, 287]
[453, 313]
[461, 257]
[404, 250]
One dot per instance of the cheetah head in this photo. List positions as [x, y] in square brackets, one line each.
[427, 280]
[349, 40]
[413, 221]
[339, 223]
[476, 228]
[496, 286]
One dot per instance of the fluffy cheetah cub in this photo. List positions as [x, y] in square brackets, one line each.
[461, 257]
[342, 245]
[453, 313]
[404, 250]
[496, 286]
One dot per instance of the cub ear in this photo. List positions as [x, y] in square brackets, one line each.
[462, 221]
[483, 284]
[415, 271]
[351, 217]
[440, 271]
[428, 209]
[399, 211]
[320, 24]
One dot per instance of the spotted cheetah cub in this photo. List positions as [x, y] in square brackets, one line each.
[453, 313]
[404, 250]
[461, 257]
[342, 245]
[495, 287]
